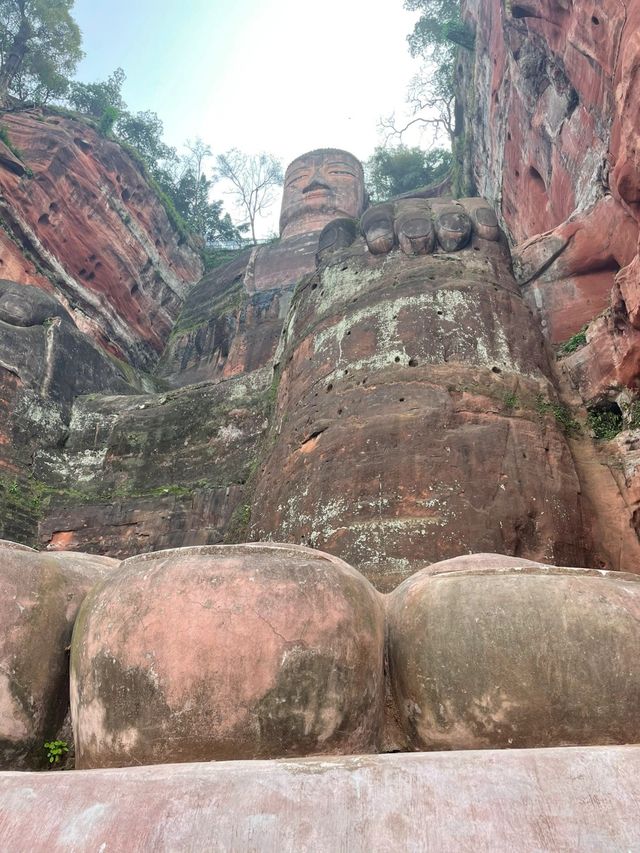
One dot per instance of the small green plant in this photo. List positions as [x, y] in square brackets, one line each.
[55, 749]
[4, 137]
[511, 400]
[14, 488]
[633, 415]
[107, 120]
[605, 424]
[565, 420]
[578, 340]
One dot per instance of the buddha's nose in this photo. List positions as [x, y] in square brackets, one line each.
[315, 184]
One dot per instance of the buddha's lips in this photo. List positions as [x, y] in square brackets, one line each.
[316, 192]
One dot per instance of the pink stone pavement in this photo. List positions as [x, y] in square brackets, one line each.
[563, 799]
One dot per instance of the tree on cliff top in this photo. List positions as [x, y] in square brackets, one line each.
[95, 99]
[393, 171]
[438, 30]
[39, 48]
[253, 180]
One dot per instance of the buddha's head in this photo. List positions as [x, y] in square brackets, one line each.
[318, 187]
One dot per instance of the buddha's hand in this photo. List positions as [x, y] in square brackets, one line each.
[418, 226]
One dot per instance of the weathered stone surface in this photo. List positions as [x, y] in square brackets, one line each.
[496, 656]
[41, 346]
[144, 472]
[232, 320]
[550, 99]
[100, 236]
[412, 415]
[45, 363]
[39, 598]
[245, 651]
[555, 143]
[525, 800]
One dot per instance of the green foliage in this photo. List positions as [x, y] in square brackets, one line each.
[605, 423]
[565, 420]
[95, 99]
[511, 400]
[438, 30]
[167, 202]
[192, 196]
[393, 171]
[143, 131]
[214, 257]
[107, 120]
[578, 340]
[39, 49]
[55, 749]
[633, 415]
[4, 136]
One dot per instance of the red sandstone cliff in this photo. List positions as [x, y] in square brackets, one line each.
[80, 221]
[551, 101]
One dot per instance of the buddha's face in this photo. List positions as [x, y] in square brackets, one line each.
[318, 187]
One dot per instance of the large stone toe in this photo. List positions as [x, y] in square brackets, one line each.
[378, 228]
[452, 226]
[227, 652]
[414, 227]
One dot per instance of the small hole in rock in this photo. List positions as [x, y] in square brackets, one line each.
[413, 362]
[329, 387]
[595, 20]
[397, 359]
[401, 399]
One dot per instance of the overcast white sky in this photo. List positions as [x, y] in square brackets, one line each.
[278, 75]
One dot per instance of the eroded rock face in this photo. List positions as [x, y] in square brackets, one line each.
[248, 651]
[89, 218]
[144, 472]
[45, 363]
[550, 99]
[39, 598]
[492, 655]
[555, 146]
[413, 413]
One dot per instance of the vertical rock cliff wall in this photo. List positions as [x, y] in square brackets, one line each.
[80, 220]
[550, 98]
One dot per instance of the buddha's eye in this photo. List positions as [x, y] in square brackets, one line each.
[295, 180]
[341, 172]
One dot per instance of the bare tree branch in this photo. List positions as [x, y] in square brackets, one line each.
[253, 179]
